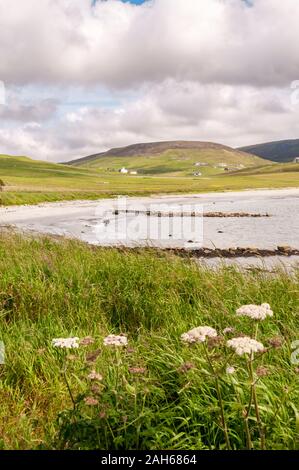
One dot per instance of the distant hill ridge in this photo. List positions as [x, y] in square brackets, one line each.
[281, 151]
[152, 148]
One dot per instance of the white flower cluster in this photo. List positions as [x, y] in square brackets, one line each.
[228, 330]
[199, 334]
[256, 312]
[116, 340]
[65, 343]
[95, 376]
[245, 345]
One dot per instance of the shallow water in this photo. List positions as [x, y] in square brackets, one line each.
[94, 221]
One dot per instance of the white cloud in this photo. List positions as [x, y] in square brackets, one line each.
[193, 69]
[117, 44]
[17, 110]
[165, 111]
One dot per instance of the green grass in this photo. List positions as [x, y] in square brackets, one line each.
[29, 181]
[174, 162]
[10, 198]
[273, 169]
[23, 172]
[52, 289]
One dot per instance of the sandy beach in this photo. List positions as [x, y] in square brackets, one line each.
[94, 221]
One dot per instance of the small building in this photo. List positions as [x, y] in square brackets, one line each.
[296, 160]
[124, 171]
[222, 165]
[133, 172]
[201, 164]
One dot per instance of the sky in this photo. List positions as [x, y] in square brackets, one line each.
[80, 76]
[136, 2]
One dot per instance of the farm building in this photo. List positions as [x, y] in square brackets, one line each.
[201, 164]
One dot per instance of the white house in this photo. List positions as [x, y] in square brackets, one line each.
[296, 160]
[124, 171]
[201, 164]
[133, 172]
[222, 165]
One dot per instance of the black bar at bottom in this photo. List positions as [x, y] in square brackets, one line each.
[138, 459]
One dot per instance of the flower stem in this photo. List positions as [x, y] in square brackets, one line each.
[246, 417]
[223, 421]
[247, 431]
[256, 407]
[68, 386]
[220, 401]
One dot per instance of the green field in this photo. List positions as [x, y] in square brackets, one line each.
[29, 181]
[174, 162]
[157, 393]
[277, 168]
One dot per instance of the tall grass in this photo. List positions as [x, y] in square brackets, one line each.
[51, 289]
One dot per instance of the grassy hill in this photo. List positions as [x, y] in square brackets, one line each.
[276, 168]
[177, 158]
[30, 181]
[280, 151]
[34, 181]
[15, 169]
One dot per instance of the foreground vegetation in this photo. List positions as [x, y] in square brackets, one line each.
[156, 393]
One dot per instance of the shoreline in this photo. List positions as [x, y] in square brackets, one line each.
[231, 222]
[162, 196]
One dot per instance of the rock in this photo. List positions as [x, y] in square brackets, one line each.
[285, 248]
[252, 250]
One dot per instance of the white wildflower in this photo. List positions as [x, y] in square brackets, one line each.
[228, 330]
[245, 345]
[199, 334]
[256, 312]
[95, 376]
[230, 370]
[90, 401]
[115, 340]
[65, 343]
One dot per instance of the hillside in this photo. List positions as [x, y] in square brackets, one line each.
[16, 170]
[282, 151]
[177, 158]
[275, 168]
[30, 181]
[34, 181]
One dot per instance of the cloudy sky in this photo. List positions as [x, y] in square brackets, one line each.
[82, 76]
